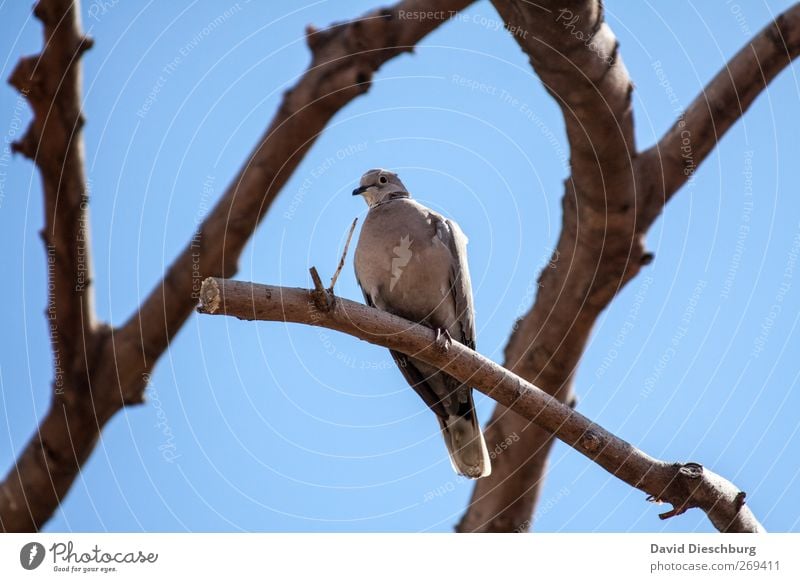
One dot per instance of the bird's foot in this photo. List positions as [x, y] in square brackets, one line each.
[443, 339]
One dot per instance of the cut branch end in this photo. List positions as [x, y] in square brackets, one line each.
[321, 296]
[209, 296]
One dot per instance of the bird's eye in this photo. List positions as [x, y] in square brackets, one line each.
[382, 180]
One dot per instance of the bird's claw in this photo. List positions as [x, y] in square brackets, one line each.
[443, 339]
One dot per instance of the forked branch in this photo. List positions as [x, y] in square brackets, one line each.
[611, 199]
[99, 370]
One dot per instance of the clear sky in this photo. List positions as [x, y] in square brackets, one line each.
[269, 427]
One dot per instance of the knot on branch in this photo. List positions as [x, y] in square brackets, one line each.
[316, 38]
[591, 442]
[691, 470]
[690, 485]
[27, 77]
[681, 490]
[44, 11]
[738, 501]
[27, 145]
[347, 54]
[85, 43]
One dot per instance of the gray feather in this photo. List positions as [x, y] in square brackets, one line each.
[412, 261]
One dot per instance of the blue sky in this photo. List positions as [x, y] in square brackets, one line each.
[272, 427]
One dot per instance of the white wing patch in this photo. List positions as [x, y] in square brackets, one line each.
[402, 255]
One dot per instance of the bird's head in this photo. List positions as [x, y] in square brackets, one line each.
[379, 185]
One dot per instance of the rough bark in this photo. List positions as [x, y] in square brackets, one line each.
[344, 59]
[51, 82]
[611, 199]
[104, 369]
[599, 249]
[670, 163]
[684, 485]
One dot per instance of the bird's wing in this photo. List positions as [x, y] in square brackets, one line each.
[367, 299]
[459, 287]
[460, 284]
[415, 378]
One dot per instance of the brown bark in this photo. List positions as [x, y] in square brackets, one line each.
[722, 102]
[611, 199]
[684, 485]
[599, 249]
[51, 82]
[103, 369]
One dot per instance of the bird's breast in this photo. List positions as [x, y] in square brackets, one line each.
[405, 268]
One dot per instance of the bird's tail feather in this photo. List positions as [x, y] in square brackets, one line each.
[466, 446]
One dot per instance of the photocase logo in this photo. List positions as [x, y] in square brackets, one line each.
[402, 254]
[31, 555]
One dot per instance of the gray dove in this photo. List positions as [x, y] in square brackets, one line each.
[412, 262]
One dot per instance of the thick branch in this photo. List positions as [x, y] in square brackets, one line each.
[51, 82]
[575, 54]
[114, 369]
[611, 200]
[344, 59]
[600, 248]
[684, 485]
[724, 100]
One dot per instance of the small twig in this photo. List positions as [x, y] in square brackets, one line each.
[344, 255]
[323, 298]
[674, 512]
[317, 281]
[320, 294]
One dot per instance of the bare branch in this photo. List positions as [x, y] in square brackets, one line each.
[344, 255]
[51, 82]
[103, 370]
[575, 54]
[610, 201]
[724, 100]
[600, 248]
[344, 59]
[684, 485]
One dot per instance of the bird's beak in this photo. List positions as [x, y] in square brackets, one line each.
[360, 190]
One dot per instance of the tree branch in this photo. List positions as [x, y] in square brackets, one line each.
[695, 134]
[684, 485]
[344, 59]
[600, 247]
[611, 199]
[104, 369]
[51, 82]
